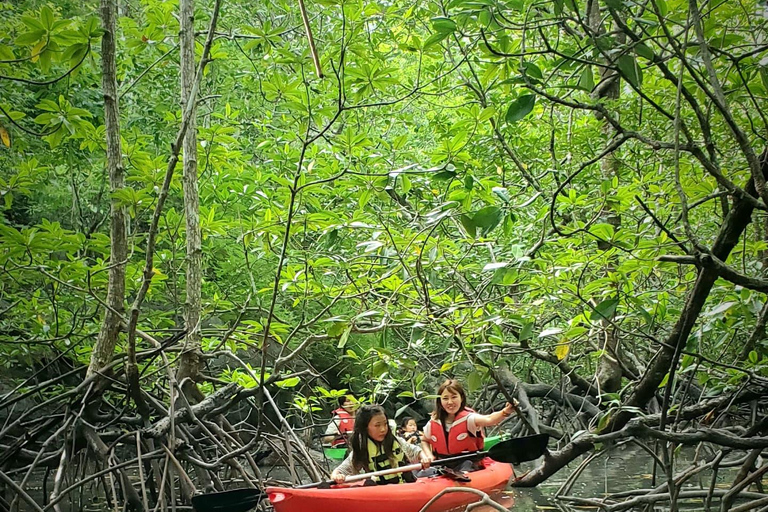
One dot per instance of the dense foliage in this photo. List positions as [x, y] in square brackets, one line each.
[518, 193]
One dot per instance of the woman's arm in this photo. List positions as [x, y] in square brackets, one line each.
[426, 452]
[489, 420]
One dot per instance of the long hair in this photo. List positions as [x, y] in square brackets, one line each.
[360, 456]
[449, 385]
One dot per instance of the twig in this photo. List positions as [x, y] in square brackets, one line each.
[310, 39]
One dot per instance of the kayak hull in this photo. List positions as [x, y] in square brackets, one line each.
[392, 498]
[335, 453]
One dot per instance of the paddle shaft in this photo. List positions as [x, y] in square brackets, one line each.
[401, 469]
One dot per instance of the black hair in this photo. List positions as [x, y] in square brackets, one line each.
[344, 398]
[450, 385]
[360, 458]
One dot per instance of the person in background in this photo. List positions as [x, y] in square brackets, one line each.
[409, 431]
[374, 448]
[342, 423]
[454, 428]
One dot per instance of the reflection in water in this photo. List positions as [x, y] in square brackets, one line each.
[626, 468]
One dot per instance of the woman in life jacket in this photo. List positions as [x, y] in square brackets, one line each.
[375, 447]
[454, 428]
[409, 431]
[342, 423]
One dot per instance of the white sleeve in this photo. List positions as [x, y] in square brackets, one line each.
[471, 427]
[427, 430]
[333, 426]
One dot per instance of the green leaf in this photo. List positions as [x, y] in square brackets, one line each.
[469, 225]
[605, 310]
[520, 108]
[444, 175]
[488, 218]
[643, 51]
[719, 310]
[486, 114]
[614, 4]
[443, 25]
[753, 357]
[288, 383]
[603, 231]
[344, 337]
[474, 381]
[46, 17]
[33, 23]
[29, 38]
[586, 80]
[379, 369]
[337, 328]
[604, 419]
[631, 70]
[531, 70]
[435, 38]
[526, 332]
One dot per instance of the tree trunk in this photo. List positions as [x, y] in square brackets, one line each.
[110, 328]
[190, 361]
[739, 217]
[609, 370]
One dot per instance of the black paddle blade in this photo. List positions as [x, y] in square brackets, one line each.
[520, 449]
[236, 500]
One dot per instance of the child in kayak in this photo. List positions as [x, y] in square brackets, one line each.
[409, 431]
[455, 428]
[374, 448]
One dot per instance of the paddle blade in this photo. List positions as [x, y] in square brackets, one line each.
[236, 500]
[520, 449]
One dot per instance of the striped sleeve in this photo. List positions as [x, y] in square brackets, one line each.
[412, 452]
[346, 468]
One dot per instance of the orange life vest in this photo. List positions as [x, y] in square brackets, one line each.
[459, 438]
[345, 423]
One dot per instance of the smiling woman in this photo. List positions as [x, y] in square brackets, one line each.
[454, 427]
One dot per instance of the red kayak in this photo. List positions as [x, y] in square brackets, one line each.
[392, 498]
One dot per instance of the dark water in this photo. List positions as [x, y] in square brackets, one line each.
[624, 469]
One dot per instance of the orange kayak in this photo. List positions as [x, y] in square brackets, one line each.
[392, 498]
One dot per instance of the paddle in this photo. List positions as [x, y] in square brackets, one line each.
[511, 451]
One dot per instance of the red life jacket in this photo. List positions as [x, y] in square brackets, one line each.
[459, 439]
[345, 423]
